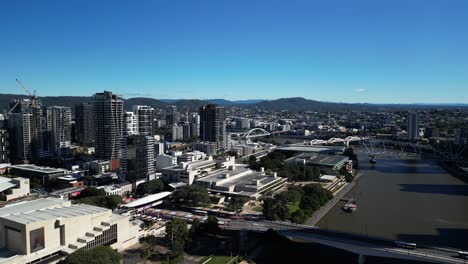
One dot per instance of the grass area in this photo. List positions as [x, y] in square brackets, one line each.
[257, 209]
[293, 207]
[219, 260]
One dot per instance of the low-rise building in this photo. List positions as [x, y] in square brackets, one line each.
[117, 189]
[36, 172]
[333, 162]
[191, 156]
[164, 161]
[13, 188]
[187, 172]
[52, 228]
[241, 181]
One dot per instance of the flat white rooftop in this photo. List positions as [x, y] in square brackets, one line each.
[55, 213]
[29, 206]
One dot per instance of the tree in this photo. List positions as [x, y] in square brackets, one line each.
[195, 229]
[298, 217]
[274, 209]
[252, 160]
[348, 176]
[191, 195]
[98, 255]
[211, 225]
[110, 202]
[153, 186]
[236, 204]
[90, 192]
[349, 152]
[178, 236]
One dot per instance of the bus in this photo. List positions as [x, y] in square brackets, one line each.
[200, 212]
[463, 254]
[406, 245]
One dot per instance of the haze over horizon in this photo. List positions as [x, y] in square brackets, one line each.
[360, 52]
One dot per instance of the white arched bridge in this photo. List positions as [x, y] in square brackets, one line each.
[330, 141]
[252, 133]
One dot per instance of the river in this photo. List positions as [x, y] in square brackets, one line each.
[405, 198]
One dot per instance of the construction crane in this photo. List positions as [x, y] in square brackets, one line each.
[34, 101]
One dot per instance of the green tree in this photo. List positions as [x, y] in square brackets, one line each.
[177, 235]
[236, 204]
[90, 192]
[153, 186]
[191, 195]
[211, 225]
[110, 202]
[298, 217]
[349, 152]
[98, 255]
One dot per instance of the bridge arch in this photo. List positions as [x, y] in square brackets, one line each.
[248, 134]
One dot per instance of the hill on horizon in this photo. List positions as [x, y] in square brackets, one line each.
[290, 104]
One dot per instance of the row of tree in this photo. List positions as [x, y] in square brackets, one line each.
[180, 238]
[275, 161]
[284, 205]
[98, 197]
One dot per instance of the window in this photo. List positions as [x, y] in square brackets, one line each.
[108, 237]
[36, 239]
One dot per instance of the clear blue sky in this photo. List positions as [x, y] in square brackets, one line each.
[388, 51]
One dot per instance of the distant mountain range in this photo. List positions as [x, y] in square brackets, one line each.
[290, 104]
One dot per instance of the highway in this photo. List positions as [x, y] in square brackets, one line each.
[365, 245]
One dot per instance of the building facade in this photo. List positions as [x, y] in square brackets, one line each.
[213, 125]
[4, 146]
[52, 228]
[108, 124]
[412, 126]
[84, 123]
[145, 119]
[59, 128]
[131, 123]
[137, 162]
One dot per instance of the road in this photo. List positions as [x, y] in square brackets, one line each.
[312, 221]
[371, 246]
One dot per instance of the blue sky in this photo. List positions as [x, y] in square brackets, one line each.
[386, 51]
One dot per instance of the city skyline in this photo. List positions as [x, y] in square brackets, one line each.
[362, 52]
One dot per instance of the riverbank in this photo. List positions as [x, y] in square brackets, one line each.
[315, 218]
[405, 198]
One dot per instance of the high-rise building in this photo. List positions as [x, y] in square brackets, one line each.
[28, 132]
[145, 117]
[242, 123]
[213, 125]
[186, 131]
[195, 130]
[108, 124]
[172, 116]
[4, 141]
[20, 134]
[137, 161]
[131, 123]
[59, 128]
[461, 136]
[412, 125]
[177, 132]
[84, 123]
[158, 148]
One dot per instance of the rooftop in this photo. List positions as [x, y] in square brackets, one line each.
[29, 206]
[34, 168]
[5, 184]
[55, 213]
[148, 199]
[325, 160]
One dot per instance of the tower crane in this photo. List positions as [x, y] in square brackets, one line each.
[33, 96]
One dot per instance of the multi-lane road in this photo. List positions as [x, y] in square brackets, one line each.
[365, 245]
